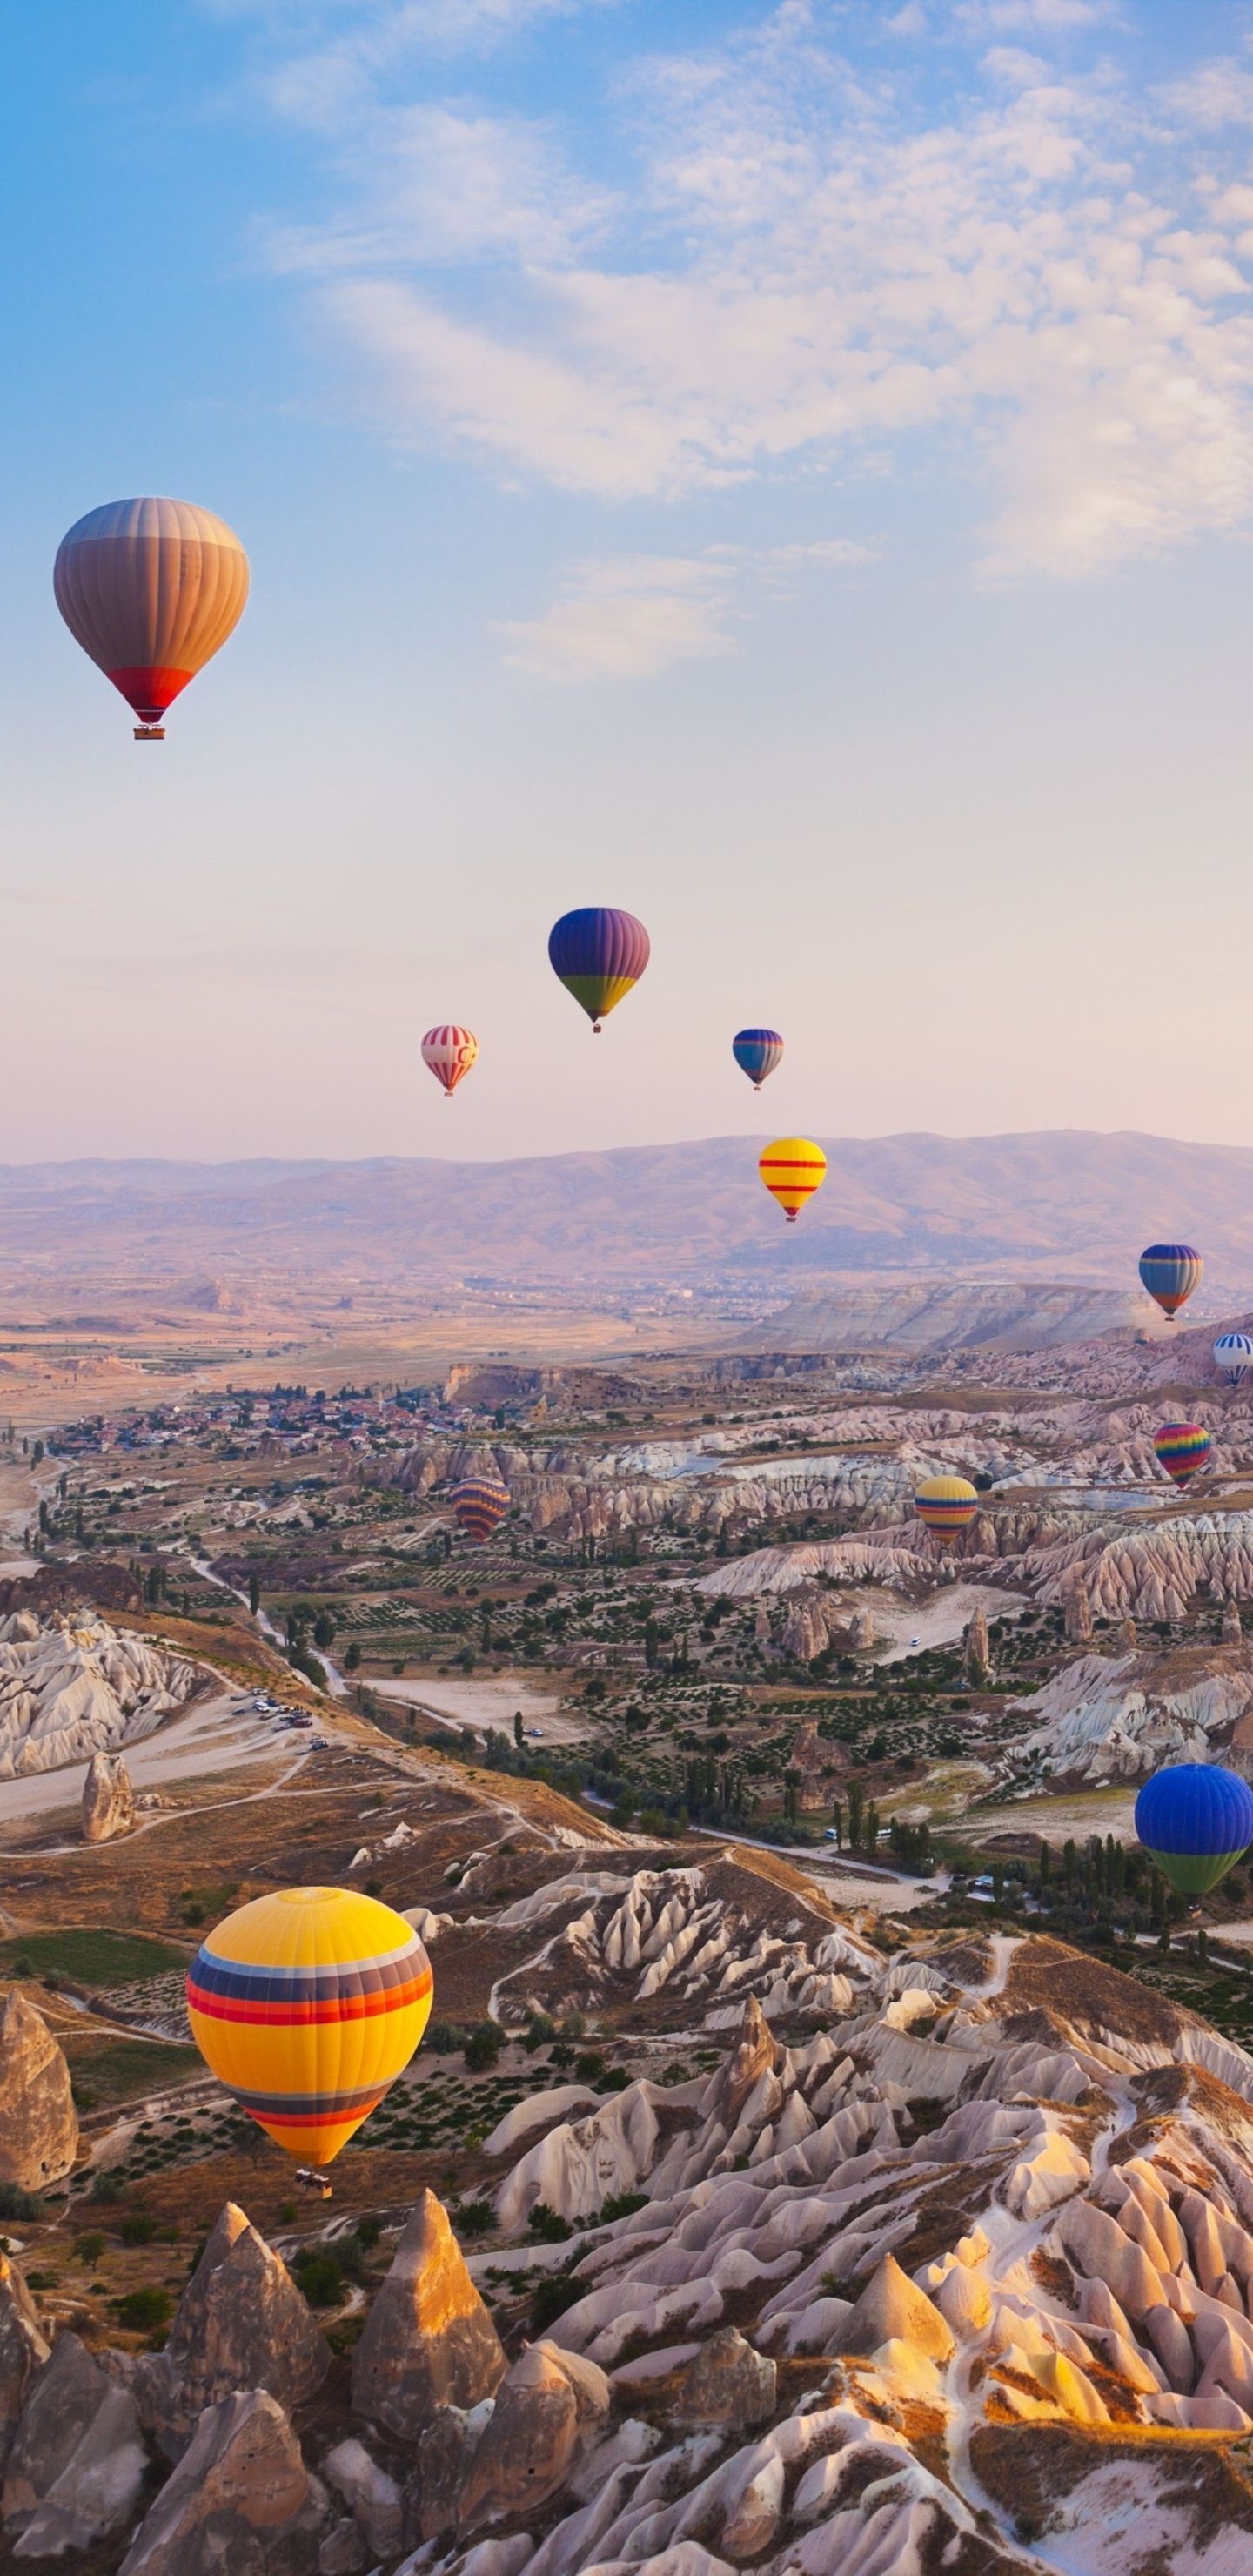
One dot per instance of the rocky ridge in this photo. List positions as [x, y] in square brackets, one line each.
[72, 1687]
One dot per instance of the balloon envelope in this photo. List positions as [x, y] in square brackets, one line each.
[480, 1504]
[757, 1053]
[151, 589]
[1195, 1819]
[792, 1169]
[1181, 1448]
[1233, 1356]
[449, 1051]
[307, 2005]
[598, 955]
[982, 1483]
[946, 1505]
[1170, 1272]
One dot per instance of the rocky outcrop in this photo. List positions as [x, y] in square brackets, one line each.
[241, 2323]
[1231, 1632]
[77, 1687]
[23, 2349]
[1078, 1615]
[551, 2406]
[751, 2058]
[1106, 1718]
[727, 2383]
[108, 1803]
[240, 2502]
[76, 2463]
[38, 2122]
[429, 2341]
[976, 1654]
[373, 2498]
[892, 2310]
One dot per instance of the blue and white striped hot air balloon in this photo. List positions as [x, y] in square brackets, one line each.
[1233, 1357]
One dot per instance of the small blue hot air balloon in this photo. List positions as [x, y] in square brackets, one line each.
[1170, 1272]
[1233, 1357]
[1194, 1819]
[757, 1052]
[598, 954]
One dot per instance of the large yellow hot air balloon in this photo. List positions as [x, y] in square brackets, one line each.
[151, 589]
[307, 2005]
[792, 1169]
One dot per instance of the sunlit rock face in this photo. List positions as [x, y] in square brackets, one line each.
[38, 2122]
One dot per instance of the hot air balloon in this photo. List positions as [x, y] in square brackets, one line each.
[1170, 1272]
[1182, 1448]
[792, 1169]
[983, 1483]
[307, 2005]
[1194, 1819]
[598, 955]
[151, 589]
[449, 1052]
[1233, 1357]
[480, 1504]
[757, 1053]
[946, 1505]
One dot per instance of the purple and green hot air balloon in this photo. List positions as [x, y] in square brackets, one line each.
[598, 955]
[757, 1053]
[1195, 1819]
[1170, 1272]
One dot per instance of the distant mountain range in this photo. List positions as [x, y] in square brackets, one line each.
[1061, 1206]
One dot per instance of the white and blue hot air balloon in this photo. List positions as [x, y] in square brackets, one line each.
[1233, 1357]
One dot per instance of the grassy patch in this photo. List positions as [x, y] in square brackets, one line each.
[116, 2070]
[89, 1957]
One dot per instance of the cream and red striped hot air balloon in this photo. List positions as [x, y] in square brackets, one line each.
[449, 1051]
[151, 589]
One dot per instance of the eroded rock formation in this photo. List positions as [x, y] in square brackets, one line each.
[38, 2122]
[429, 2341]
[108, 1802]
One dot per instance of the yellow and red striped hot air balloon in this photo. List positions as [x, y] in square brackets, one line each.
[307, 2005]
[792, 1169]
[151, 589]
[946, 1505]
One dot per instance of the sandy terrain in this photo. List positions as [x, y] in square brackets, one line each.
[938, 1622]
[215, 1735]
[491, 1702]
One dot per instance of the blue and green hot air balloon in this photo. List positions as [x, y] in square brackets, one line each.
[1195, 1819]
[1170, 1272]
[757, 1053]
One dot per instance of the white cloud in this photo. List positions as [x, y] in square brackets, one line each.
[1031, 17]
[808, 270]
[630, 616]
[1215, 94]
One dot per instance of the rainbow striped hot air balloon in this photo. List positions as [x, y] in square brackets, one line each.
[1194, 1819]
[792, 1169]
[307, 2005]
[1181, 1448]
[479, 1505]
[1233, 1357]
[946, 1505]
[151, 589]
[448, 1052]
[757, 1052]
[1170, 1272]
[598, 954]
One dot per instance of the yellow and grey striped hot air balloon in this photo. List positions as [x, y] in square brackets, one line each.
[792, 1169]
[307, 2005]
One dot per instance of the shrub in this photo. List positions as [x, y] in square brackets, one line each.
[107, 2186]
[443, 2037]
[590, 2067]
[143, 2311]
[89, 2248]
[483, 2047]
[318, 2277]
[15, 2203]
[548, 2224]
[288, 2213]
[622, 2205]
[475, 2218]
[552, 2297]
[138, 2227]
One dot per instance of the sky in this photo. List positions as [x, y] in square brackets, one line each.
[783, 470]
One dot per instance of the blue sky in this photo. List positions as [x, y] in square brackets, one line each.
[784, 470]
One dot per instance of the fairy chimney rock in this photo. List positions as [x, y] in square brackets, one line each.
[108, 1802]
[429, 2341]
[38, 2122]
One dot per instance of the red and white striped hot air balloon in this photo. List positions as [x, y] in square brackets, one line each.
[151, 589]
[450, 1051]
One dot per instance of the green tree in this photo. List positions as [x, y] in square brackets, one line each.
[352, 1660]
[519, 1731]
[652, 1643]
[254, 1590]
